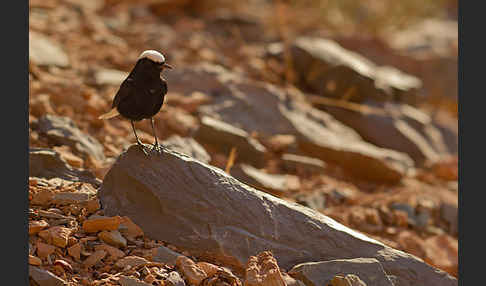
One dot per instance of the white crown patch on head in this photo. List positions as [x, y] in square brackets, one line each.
[152, 55]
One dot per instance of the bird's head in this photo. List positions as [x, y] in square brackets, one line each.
[154, 60]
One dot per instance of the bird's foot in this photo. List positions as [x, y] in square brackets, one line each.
[157, 147]
[143, 147]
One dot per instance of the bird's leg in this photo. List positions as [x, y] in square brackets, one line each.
[138, 140]
[156, 143]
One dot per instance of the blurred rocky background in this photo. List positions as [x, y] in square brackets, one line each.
[345, 107]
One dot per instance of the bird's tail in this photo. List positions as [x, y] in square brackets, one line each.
[112, 113]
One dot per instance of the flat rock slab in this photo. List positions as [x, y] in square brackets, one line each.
[224, 136]
[328, 68]
[395, 130]
[198, 207]
[293, 163]
[321, 273]
[47, 163]
[62, 130]
[44, 277]
[268, 110]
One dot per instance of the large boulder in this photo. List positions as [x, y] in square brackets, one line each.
[47, 163]
[61, 130]
[198, 207]
[325, 67]
[268, 111]
[398, 127]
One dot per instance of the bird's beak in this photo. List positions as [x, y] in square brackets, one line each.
[165, 65]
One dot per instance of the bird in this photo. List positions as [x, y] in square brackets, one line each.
[141, 95]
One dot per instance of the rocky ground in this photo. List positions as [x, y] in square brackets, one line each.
[360, 129]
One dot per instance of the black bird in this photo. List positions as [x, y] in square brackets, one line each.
[142, 93]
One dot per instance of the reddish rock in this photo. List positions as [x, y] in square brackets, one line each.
[129, 229]
[64, 264]
[114, 252]
[132, 260]
[209, 268]
[442, 251]
[34, 260]
[105, 223]
[44, 250]
[191, 271]
[56, 235]
[263, 270]
[37, 225]
[94, 258]
[75, 251]
[42, 198]
[113, 237]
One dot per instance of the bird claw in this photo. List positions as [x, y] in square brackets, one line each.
[142, 146]
[156, 147]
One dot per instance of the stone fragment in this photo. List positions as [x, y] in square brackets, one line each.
[42, 198]
[63, 131]
[44, 277]
[131, 281]
[34, 260]
[281, 142]
[66, 198]
[44, 250]
[224, 136]
[442, 251]
[56, 235]
[94, 258]
[130, 229]
[316, 200]
[105, 223]
[165, 255]
[64, 264]
[208, 268]
[174, 279]
[263, 270]
[37, 225]
[191, 271]
[131, 260]
[294, 163]
[75, 251]
[46, 163]
[449, 213]
[114, 252]
[113, 237]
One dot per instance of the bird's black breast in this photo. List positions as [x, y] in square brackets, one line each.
[140, 98]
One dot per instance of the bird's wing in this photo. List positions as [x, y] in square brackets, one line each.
[125, 88]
